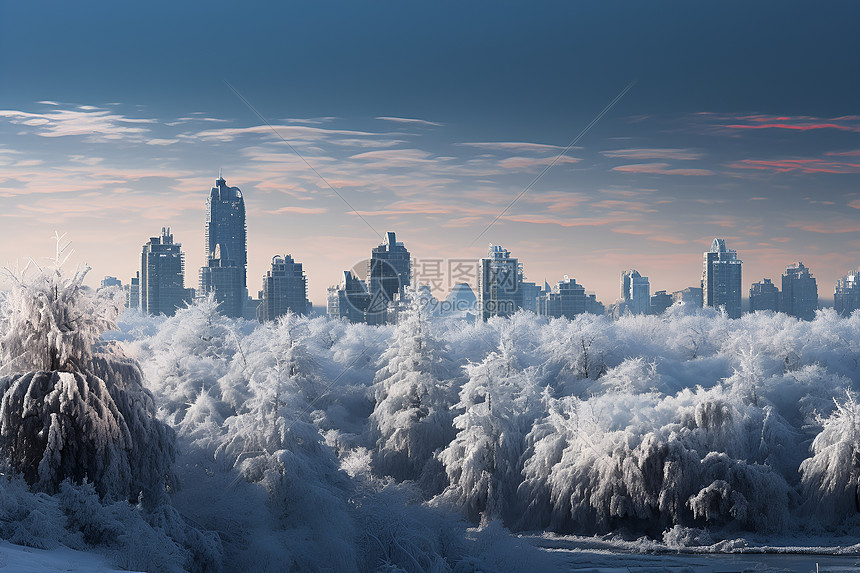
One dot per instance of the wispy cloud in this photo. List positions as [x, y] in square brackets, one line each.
[298, 210]
[799, 123]
[642, 154]
[91, 123]
[411, 121]
[805, 166]
[516, 146]
[660, 169]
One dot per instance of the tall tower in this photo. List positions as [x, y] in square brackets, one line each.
[225, 249]
[499, 284]
[799, 292]
[721, 279]
[162, 276]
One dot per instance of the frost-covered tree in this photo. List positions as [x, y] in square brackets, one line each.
[72, 407]
[414, 395]
[483, 462]
[831, 477]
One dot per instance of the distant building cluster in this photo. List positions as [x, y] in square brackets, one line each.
[373, 291]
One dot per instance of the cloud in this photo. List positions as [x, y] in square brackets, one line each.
[92, 123]
[800, 123]
[162, 141]
[798, 165]
[292, 133]
[411, 121]
[512, 146]
[660, 169]
[519, 162]
[299, 210]
[641, 154]
[831, 228]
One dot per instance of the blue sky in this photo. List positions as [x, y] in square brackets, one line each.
[744, 123]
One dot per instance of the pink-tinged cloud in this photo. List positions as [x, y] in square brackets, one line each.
[852, 153]
[796, 127]
[92, 123]
[799, 165]
[833, 228]
[660, 169]
[855, 204]
[642, 154]
[531, 162]
[572, 222]
[298, 210]
[511, 146]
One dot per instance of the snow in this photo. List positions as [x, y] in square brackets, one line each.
[29, 560]
[203, 443]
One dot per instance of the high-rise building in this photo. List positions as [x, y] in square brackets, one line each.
[162, 276]
[689, 295]
[132, 292]
[799, 292]
[721, 279]
[109, 281]
[660, 301]
[636, 292]
[389, 272]
[349, 299]
[764, 296]
[499, 284]
[567, 299]
[285, 288]
[846, 298]
[225, 249]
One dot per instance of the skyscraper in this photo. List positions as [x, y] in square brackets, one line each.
[660, 301]
[764, 296]
[636, 292]
[162, 276]
[846, 298]
[499, 284]
[389, 272]
[567, 299]
[799, 292]
[721, 279]
[349, 299]
[225, 249]
[284, 288]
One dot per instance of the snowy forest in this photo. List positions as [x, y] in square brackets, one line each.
[203, 443]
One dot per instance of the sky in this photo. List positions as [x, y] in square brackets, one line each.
[453, 124]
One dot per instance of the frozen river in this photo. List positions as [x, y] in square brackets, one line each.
[583, 555]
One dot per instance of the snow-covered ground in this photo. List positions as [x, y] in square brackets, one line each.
[21, 559]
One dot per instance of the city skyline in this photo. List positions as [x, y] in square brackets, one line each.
[735, 128]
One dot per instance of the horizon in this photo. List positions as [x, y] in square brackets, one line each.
[434, 124]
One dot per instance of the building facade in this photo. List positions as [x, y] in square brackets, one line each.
[721, 279]
[846, 298]
[499, 276]
[225, 249]
[389, 272]
[349, 300]
[764, 296]
[660, 301]
[635, 292]
[162, 276]
[689, 295]
[285, 288]
[799, 292]
[567, 299]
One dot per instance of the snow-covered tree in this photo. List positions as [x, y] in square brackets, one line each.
[72, 407]
[831, 477]
[412, 416]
